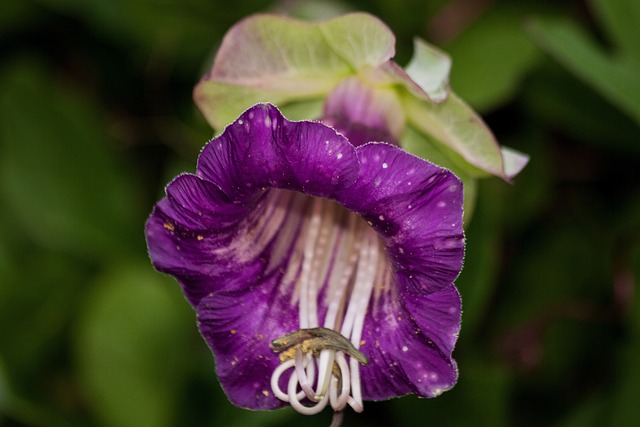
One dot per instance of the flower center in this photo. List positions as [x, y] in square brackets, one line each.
[340, 264]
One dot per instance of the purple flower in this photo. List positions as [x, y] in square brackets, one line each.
[321, 271]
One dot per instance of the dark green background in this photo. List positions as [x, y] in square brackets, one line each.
[96, 116]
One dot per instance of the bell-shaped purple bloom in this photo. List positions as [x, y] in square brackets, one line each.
[321, 272]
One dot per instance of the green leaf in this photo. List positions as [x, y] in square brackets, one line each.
[15, 410]
[131, 345]
[142, 27]
[614, 79]
[481, 394]
[267, 58]
[45, 285]
[491, 58]
[14, 15]
[478, 279]
[57, 174]
[556, 266]
[624, 405]
[620, 18]
[591, 413]
[557, 100]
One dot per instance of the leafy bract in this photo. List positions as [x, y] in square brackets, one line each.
[456, 126]
[296, 64]
[279, 60]
[429, 71]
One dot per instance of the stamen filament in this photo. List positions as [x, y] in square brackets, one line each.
[324, 376]
[339, 401]
[305, 382]
[295, 401]
[275, 379]
[342, 253]
[308, 292]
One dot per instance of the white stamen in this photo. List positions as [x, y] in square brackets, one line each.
[339, 402]
[305, 382]
[324, 375]
[308, 293]
[354, 320]
[356, 402]
[356, 406]
[275, 378]
[295, 401]
[341, 256]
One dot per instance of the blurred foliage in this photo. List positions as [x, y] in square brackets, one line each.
[96, 116]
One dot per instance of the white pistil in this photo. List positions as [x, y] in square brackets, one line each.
[345, 256]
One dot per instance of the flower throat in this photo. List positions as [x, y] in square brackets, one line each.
[339, 267]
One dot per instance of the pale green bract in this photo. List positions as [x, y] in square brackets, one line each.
[296, 64]
[275, 59]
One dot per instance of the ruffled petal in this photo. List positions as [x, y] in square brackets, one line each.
[417, 208]
[413, 319]
[184, 230]
[263, 149]
[238, 327]
[211, 230]
[409, 343]
[437, 315]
